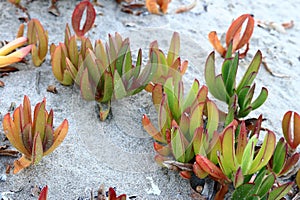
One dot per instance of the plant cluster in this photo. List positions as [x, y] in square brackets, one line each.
[193, 136]
[33, 136]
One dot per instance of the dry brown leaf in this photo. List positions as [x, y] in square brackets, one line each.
[271, 72]
[186, 8]
[2, 84]
[152, 6]
[52, 89]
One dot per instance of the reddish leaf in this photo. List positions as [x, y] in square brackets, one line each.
[214, 40]
[151, 130]
[211, 168]
[77, 16]
[234, 32]
[185, 174]
[44, 193]
[163, 150]
[292, 138]
[221, 193]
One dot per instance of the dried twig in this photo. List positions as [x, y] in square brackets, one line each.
[8, 152]
[271, 72]
[186, 8]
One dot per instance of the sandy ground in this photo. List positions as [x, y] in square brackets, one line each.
[118, 152]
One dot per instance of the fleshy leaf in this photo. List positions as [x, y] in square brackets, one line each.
[37, 149]
[265, 153]
[211, 168]
[279, 156]
[59, 135]
[44, 193]
[77, 17]
[214, 40]
[252, 69]
[151, 130]
[281, 191]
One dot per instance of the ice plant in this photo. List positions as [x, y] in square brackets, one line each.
[183, 131]
[282, 160]
[223, 86]
[240, 158]
[77, 17]
[109, 73]
[38, 37]
[169, 65]
[68, 55]
[262, 188]
[235, 36]
[33, 136]
[8, 58]
[237, 157]
[291, 129]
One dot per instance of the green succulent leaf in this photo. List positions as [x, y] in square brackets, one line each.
[266, 185]
[279, 156]
[242, 191]
[191, 96]
[173, 52]
[179, 144]
[119, 88]
[37, 149]
[213, 118]
[248, 155]
[281, 191]
[262, 97]
[251, 72]
[196, 119]
[40, 120]
[108, 87]
[199, 141]
[238, 178]
[138, 64]
[169, 88]
[214, 83]
[87, 89]
[265, 153]
[91, 65]
[227, 156]
[101, 53]
[258, 181]
[164, 117]
[241, 142]
[48, 139]
[72, 50]
[230, 80]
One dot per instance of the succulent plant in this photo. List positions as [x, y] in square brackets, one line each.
[33, 137]
[109, 73]
[283, 161]
[8, 58]
[291, 131]
[234, 35]
[262, 187]
[285, 158]
[38, 38]
[167, 66]
[223, 86]
[238, 158]
[67, 55]
[187, 126]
